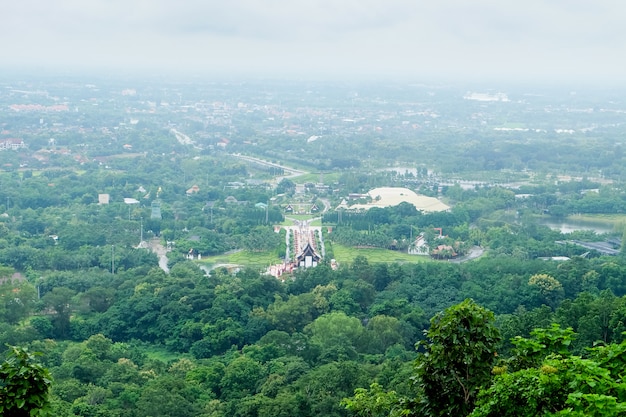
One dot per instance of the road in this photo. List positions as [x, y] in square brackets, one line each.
[291, 172]
[473, 253]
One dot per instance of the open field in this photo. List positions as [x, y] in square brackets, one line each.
[343, 254]
[328, 178]
[375, 255]
[618, 220]
[244, 258]
[289, 222]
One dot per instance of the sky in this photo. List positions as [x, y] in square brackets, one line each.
[465, 39]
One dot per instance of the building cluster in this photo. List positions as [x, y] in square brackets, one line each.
[11, 144]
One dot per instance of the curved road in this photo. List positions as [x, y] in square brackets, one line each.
[474, 253]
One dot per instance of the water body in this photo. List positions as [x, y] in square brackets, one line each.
[570, 225]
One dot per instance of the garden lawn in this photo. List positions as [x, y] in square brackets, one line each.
[375, 255]
[257, 260]
[261, 260]
[289, 222]
[328, 178]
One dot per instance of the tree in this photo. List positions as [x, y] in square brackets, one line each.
[24, 385]
[551, 381]
[59, 300]
[373, 403]
[16, 301]
[286, 186]
[383, 332]
[461, 349]
[336, 334]
[241, 377]
[550, 288]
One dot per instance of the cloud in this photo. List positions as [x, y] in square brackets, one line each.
[388, 36]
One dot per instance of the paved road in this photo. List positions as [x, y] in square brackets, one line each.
[474, 252]
[291, 172]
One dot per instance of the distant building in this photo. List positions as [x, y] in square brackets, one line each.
[443, 252]
[103, 198]
[193, 190]
[155, 210]
[11, 144]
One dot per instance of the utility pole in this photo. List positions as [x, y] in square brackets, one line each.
[112, 259]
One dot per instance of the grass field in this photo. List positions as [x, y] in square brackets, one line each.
[328, 178]
[375, 255]
[258, 260]
[289, 222]
[343, 254]
[609, 219]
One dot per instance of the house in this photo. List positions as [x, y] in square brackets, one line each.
[419, 246]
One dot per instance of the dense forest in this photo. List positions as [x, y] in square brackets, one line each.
[101, 324]
[142, 341]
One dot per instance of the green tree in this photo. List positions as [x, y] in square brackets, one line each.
[16, 301]
[24, 385]
[59, 300]
[553, 382]
[550, 288]
[374, 402]
[241, 377]
[336, 334]
[382, 332]
[460, 351]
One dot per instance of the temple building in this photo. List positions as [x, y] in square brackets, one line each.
[308, 257]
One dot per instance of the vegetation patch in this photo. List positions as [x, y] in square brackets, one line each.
[244, 258]
[315, 178]
[375, 255]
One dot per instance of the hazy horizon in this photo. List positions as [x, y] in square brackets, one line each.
[537, 41]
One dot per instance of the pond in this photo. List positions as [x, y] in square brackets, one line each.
[570, 225]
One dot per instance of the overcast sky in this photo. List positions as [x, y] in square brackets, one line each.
[473, 39]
